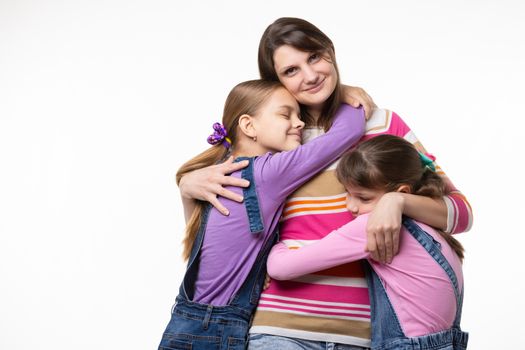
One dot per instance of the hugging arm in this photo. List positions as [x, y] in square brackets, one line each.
[451, 213]
[346, 244]
[356, 96]
[207, 183]
[384, 224]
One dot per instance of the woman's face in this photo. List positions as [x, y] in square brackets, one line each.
[308, 76]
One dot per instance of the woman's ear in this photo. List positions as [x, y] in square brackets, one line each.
[246, 126]
[404, 189]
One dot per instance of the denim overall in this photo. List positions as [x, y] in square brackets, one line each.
[199, 326]
[386, 330]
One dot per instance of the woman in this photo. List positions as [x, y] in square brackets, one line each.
[300, 313]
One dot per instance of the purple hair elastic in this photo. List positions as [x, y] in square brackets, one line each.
[220, 135]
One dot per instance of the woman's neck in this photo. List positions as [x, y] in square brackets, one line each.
[315, 113]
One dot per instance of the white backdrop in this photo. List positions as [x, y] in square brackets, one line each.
[102, 101]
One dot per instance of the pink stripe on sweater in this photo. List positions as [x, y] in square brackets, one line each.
[462, 214]
[318, 225]
[266, 299]
[317, 312]
[330, 293]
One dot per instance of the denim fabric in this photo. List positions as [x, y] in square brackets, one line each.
[200, 326]
[387, 333]
[251, 202]
[267, 341]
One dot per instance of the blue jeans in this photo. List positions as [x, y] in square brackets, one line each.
[267, 342]
[197, 326]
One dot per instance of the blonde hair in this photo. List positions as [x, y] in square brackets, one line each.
[245, 98]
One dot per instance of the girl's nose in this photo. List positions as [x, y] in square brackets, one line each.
[350, 205]
[298, 123]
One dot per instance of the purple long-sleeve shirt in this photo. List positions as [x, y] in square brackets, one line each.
[229, 249]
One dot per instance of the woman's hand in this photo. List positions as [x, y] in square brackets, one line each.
[384, 225]
[207, 183]
[267, 281]
[355, 97]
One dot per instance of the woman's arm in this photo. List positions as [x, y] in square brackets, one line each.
[189, 206]
[355, 97]
[207, 183]
[346, 244]
[384, 223]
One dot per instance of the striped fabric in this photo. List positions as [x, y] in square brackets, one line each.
[308, 206]
[332, 305]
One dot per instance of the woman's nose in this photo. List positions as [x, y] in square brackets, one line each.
[310, 75]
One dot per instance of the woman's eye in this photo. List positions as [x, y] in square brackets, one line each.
[286, 116]
[290, 71]
[314, 57]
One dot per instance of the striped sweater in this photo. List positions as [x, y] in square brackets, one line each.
[333, 305]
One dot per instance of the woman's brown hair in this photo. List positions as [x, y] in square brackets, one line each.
[387, 162]
[245, 98]
[306, 37]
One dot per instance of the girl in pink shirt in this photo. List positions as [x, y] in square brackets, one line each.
[416, 299]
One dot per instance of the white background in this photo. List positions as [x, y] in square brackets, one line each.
[102, 101]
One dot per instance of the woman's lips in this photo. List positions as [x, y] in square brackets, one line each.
[316, 88]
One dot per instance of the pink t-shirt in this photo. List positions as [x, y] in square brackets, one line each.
[419, 289]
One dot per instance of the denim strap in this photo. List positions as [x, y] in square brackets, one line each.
[251, 203]
[433, 247]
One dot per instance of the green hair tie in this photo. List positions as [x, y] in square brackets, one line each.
[427, 160]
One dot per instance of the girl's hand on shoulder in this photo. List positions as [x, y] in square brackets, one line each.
[355, 97]
[206, 184]
[384, 225]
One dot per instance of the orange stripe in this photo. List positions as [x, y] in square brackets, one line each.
[314, 209]
[315, 201]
